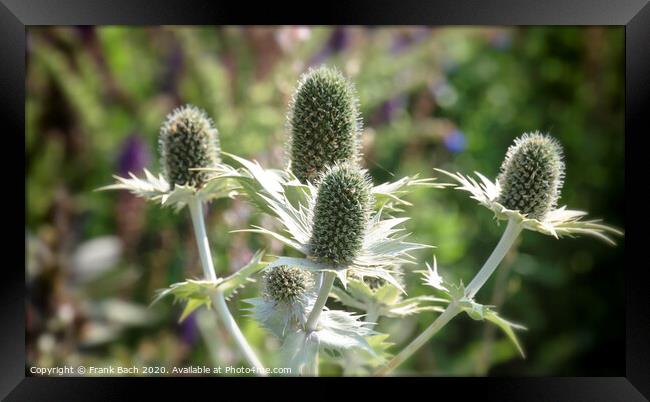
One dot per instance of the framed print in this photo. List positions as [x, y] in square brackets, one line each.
[437, 194]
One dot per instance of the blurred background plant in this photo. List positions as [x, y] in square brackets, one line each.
[450, 97]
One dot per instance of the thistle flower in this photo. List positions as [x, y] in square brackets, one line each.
[286, 284]
[294, 205]
[188, 140]
[324, 123]
[190, 156]
[532, 175]
[528, 188]
[341, 215]
[288, 295]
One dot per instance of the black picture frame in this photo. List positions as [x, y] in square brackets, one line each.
[634, 15]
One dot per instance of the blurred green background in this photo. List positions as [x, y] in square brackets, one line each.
[449, 97]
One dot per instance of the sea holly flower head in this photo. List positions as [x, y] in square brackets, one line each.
[341, 215]
[286, 284]
[191, 161]
[288, 294]
[528, 188]
[532, 175]
[188, 140]
[324, 123]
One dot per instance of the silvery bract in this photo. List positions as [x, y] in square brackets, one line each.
[190, 156]
[529, 184]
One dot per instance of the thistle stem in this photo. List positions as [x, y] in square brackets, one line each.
[323, 294]
[326, 280]
[507, 240]
[218, 299]
[372, 315]
[451, 311]
[219, 302]
[196, 210]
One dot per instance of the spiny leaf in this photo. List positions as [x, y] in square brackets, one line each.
[481, 312]
[233, 282]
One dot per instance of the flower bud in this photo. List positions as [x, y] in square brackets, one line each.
[286, 284]
[324, 123]
[188, 139]
[532, 175]
[341, 214]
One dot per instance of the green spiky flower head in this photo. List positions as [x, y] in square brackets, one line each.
[532, 175]
[324, 123]
[188, 139]
[285, 284]
[341, 214]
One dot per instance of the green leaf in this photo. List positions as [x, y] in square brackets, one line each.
[235, 281]
[194, 293]
[387, 294]
[480, 312]
[380, 348]
[360, 290]
[507, 327]
[343, 297]
[190, 306]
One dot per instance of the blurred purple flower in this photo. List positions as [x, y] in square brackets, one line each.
[189, 330]
[134, 155]
[405, 39]
[172, 72]
[455, 141]
[338, 41]
[389, 108]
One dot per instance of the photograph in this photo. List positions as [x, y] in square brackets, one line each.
[325, 201]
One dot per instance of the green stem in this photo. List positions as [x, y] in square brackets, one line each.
[498, 295]
[372, 315]
[207, 324]
[326, 280]
[218, 299]
[451, 311]
[196, 210]
[507, 240]
[323, 294]
[219, 302]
